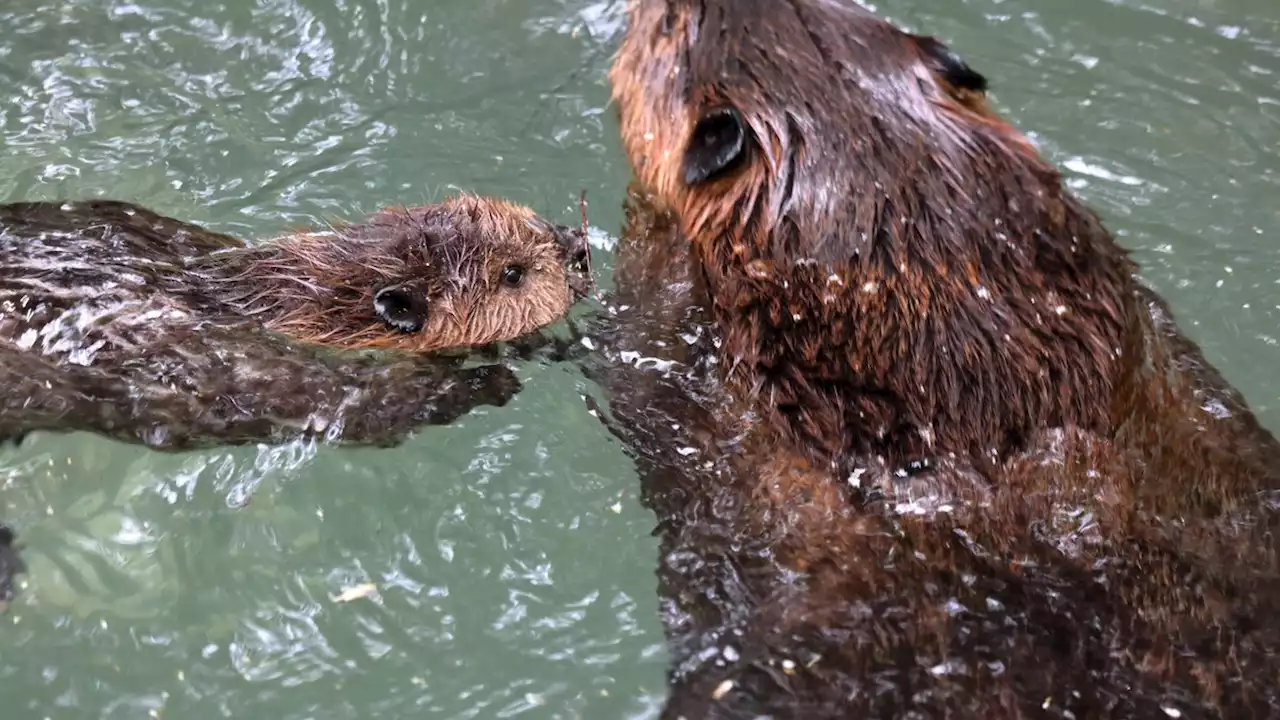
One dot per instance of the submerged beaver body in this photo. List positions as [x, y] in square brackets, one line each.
[922, 444]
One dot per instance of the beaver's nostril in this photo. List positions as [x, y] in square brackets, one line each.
[564, 234]
[575, 244]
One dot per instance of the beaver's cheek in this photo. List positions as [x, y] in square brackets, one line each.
[717, 145]
[401, 307]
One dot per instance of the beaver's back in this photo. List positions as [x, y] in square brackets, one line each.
[81, 278]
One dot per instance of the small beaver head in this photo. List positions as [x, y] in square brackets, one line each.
[468, 271]
[881, 249]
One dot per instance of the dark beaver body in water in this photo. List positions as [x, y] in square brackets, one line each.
[919, 443]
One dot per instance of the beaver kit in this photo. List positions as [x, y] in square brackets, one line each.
[923, 444]
[146, 329]
[117, 320]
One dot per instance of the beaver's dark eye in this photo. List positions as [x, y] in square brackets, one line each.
[668, 22]
[949, 66]
[717, 145]
[402, 307]
[512, 275]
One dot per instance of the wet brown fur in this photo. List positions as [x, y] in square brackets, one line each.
[889, 217]
[318, 287]
[1107, 543]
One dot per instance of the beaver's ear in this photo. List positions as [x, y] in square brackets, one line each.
[718, 144]
[949, 66]
[403, 307]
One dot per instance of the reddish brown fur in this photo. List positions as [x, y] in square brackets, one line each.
[318, 287]
[1114, 557]
[820, 281]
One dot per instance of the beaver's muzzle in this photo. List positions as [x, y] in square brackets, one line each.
[577, 257]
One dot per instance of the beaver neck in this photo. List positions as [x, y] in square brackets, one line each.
[308, 285]
[929, 339]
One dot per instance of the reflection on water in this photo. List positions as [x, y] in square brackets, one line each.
[514, 570]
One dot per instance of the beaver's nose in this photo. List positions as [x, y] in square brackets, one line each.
[575, 244]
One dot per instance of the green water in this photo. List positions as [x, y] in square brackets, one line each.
[513, 563]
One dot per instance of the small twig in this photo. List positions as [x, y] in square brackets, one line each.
[586, 238]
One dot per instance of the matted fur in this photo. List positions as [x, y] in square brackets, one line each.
[318, 287]
[891, 216]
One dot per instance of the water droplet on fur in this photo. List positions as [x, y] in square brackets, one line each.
[722, 689]
[949, 667]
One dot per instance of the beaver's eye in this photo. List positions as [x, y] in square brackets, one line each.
[949, 66]
[717, 145]
[512, 275]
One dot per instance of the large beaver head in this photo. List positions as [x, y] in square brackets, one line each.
[891, 264]
[465, 272]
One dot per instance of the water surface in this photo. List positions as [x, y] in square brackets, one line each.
[513, 563]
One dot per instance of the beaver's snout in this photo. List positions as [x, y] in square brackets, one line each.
[577, 257]
[576, 250]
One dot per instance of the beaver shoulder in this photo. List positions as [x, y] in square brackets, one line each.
[892, 273]
[116, 319]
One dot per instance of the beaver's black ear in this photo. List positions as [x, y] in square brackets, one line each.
[402, 307]
[949, 66]
[717, 145]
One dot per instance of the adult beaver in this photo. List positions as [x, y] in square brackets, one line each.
[864, 288]
[147, 329]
